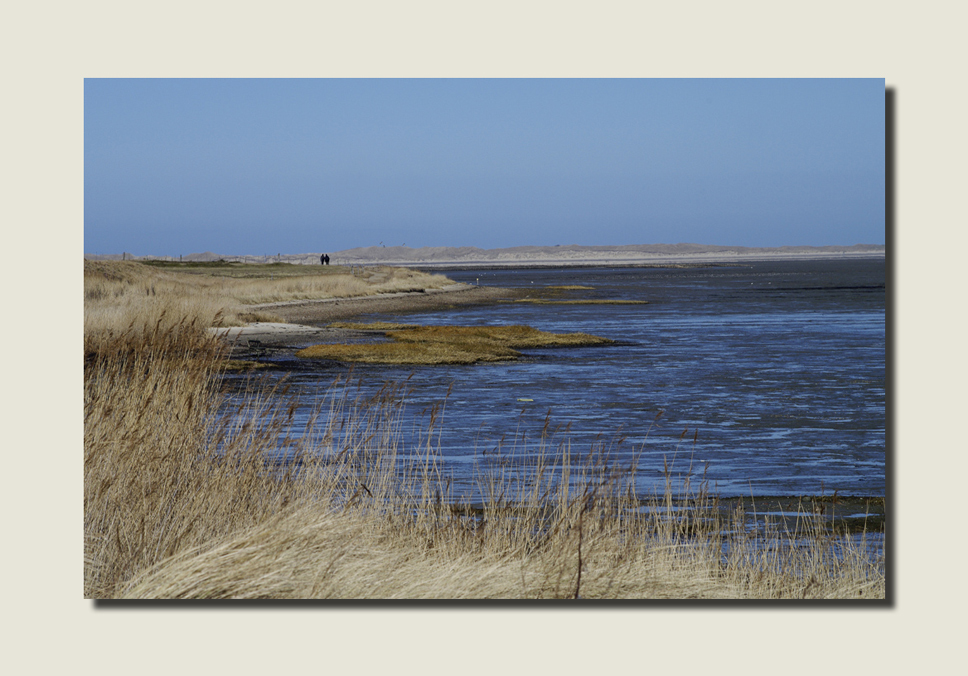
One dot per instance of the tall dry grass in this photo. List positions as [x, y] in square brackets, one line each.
[123, 295]
[189, 493]
[188, 498]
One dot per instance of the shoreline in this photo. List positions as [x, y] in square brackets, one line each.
[532, 256]
[304, 320]
[314, 312]
[306, 324]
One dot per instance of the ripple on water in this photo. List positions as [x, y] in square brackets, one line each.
[786, 389]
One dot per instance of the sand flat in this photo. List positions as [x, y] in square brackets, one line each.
[546, 256]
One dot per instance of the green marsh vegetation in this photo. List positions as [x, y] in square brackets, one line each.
[184, 497]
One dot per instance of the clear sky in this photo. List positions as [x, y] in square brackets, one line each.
[240, 166]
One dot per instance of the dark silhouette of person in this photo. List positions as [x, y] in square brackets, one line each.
[326, 258]
[322, 259]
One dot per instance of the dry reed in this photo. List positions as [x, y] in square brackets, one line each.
[191, 494]
[120, 295]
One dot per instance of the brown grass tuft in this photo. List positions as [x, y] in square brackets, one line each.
[446, 344]
[121, 294]
[508, 336]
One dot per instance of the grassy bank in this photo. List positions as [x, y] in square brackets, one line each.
[120, 295]
[184, 498]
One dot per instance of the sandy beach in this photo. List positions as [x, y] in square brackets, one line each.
[540, 256]
[574, 255]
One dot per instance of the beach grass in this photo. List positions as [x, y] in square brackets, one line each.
[189, 493]
[193, 490]
[119, 295]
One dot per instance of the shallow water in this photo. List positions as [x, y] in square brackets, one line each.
[775, 370]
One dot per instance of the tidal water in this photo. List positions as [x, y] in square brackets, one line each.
[768, 376]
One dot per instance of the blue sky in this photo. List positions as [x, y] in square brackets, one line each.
[240, 166]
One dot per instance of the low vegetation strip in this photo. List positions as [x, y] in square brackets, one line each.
[446, 344]
[514, 336]
[410, 353]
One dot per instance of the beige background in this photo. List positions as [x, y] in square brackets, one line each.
[47, 49]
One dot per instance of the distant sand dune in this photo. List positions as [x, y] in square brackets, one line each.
[634, 254]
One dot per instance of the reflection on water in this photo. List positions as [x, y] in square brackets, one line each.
[770, 374]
